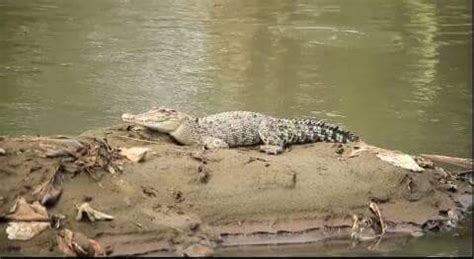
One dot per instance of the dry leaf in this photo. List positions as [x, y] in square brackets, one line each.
[22, 211]
[25, 230]
[77, 244]
[49, 191]
[135, 154]
[91, 214]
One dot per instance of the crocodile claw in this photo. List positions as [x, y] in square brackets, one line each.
[271, 149]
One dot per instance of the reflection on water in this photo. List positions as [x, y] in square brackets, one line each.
[396, 72]
[423, 72]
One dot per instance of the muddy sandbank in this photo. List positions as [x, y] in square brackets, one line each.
[181, 196]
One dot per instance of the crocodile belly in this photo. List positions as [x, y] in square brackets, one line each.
[235, 128]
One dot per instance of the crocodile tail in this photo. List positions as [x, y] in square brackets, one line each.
[334, 133]
[325, 132]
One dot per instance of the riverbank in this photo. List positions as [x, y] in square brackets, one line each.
[180, 197]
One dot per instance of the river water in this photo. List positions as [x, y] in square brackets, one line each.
[398, 73]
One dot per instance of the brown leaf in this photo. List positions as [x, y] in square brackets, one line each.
[77, 244]
[22, 211]
[49, 191]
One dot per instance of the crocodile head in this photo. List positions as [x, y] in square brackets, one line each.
[161, 119]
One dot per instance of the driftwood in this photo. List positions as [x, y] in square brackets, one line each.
[462, 162]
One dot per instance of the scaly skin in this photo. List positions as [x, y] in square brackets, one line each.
[239, 128]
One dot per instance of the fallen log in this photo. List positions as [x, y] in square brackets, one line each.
[461, 162]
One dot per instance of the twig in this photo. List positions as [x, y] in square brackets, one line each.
[140, 140]
[376, 243]
[462, 162]
[375, 209]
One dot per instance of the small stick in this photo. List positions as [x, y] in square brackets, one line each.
[140, 140]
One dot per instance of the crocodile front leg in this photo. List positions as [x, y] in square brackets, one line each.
[214, 143]
[272, 149]
[269, 135]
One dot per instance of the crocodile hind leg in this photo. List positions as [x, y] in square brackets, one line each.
[214, 143]
[272, 143]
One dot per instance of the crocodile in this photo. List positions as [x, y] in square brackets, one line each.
[239, 128]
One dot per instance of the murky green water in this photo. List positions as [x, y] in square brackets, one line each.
[396, 72]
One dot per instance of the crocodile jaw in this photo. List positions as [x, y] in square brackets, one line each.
[163, 120]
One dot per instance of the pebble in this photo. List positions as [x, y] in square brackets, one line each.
[2, 152]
